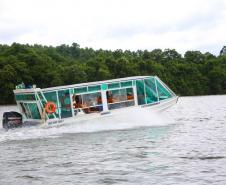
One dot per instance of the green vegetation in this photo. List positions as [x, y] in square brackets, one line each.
[194, 74]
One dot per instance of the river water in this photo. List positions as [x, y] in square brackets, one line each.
[185, 144]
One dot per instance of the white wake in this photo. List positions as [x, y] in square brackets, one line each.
[128, 119]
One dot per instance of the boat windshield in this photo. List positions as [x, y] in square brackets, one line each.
[152, 90]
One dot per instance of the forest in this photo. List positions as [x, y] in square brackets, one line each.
[193, 73]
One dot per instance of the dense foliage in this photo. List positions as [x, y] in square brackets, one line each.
[194, 73]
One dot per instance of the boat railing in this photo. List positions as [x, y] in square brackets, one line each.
[38, 94]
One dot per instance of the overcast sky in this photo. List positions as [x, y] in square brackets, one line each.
[116, 24]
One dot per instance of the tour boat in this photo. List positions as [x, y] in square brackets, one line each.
[71, 103]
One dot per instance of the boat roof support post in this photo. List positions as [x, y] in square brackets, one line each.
[104, 98]
[58, 104]
[135, 95]
[71, 92]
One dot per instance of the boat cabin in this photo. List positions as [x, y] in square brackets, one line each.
[94, 97]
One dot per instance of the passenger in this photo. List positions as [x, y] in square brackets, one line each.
[74, 102]
[99, 100]
[130, 96]
[109, 97]
[85, 108]
[77, 101]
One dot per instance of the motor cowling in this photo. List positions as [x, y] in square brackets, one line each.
[12, 120]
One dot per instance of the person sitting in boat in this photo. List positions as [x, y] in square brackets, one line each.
[99, 102]
[109, 97]
[93, 105]
[130, 96]
[77, 101]
[86, 109]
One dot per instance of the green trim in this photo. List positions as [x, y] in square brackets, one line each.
[25, 97]
[113, 85]
[104, 87]
[94, 88]
[134, 82]
[80, 90]
[71, 91]
[126, 84]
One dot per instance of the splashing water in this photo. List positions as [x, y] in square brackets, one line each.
[127, 119]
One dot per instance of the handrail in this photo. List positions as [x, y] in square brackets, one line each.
[42, 103]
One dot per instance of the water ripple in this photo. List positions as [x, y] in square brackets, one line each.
[186, 147]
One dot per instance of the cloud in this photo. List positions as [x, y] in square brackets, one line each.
[116, 24]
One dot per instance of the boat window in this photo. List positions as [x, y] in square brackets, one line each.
[80, 90]
[88, 103]
[52, 97]
[150, 90]
[92, 99]
[113, 85]
[129, 94]
[120, 98]
[116, 95]
[65, 103]
[126, 84]
[30, 110]
[25, 110]
[94, 88]
[162, 91]
[140, 92]
[34, 111]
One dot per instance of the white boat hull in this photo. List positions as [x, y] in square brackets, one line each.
[165, 104]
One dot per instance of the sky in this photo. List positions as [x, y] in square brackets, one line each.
[116, 24]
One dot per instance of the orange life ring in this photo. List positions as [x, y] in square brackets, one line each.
[50, 107]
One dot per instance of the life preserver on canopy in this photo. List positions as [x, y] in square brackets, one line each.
[50, 107]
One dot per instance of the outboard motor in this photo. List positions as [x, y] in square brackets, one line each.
[11, 120]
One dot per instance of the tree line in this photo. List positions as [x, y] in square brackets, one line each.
[195, 73]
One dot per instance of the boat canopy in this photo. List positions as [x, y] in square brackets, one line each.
[92, 97]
